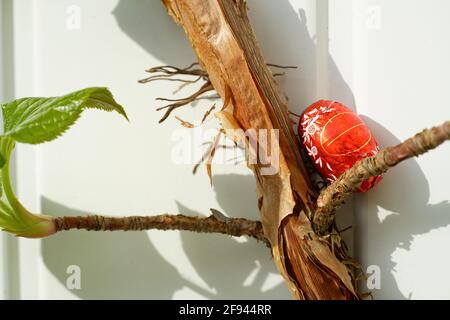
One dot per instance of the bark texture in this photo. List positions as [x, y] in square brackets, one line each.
[212, 224]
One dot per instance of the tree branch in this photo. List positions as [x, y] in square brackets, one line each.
[226, 47]
[213, 224]
[336, 193]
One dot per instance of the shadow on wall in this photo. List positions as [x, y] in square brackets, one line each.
[286, 40]
[118, 265]
[147, 23]
[166, 41]
[114, 262]
[282, 32]
[110, 262]
[405, 191]
[224, 263]
[229, 266]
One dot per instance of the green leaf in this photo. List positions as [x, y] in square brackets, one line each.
[36, 120]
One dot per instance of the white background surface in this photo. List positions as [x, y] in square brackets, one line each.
[388, 60]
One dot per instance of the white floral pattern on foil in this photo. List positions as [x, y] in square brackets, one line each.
[311, 123]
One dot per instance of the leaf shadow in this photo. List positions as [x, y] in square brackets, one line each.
[227, 265]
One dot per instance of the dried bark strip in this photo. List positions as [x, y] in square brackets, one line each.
[221, 35]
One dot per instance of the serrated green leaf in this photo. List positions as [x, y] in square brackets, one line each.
[37, 120]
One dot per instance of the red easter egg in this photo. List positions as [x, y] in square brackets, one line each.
[335, 139]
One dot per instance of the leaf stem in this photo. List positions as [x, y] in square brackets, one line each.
[7, 186]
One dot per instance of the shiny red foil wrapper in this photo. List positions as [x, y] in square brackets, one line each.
[335, 139]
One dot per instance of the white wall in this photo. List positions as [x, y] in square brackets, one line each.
[385, 59]
[402, 88]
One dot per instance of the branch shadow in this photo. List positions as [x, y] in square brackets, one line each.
[126, 265]
[415, 216]
[111, 263]
[289, 42]
[405, 191]
[147, 23]
[286, 42]
[227, 264]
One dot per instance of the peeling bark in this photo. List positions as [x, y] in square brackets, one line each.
[222, 37]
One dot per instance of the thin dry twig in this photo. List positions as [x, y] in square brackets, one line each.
[295, 114]
[335, 194]
[172, 73]
[280, 66]
[279, 74]
[183, 101]
[207, 113]
[218, 147]
[167, 72]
